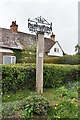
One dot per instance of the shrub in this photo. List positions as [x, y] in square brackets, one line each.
[36, 104]
[66, 109]
[66, 59]
[18, 76]
[18, 54]
[28, 55]
[64, 92]
[57, 75]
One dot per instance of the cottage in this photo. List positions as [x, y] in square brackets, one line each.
[54, 48]
[11, 39]
[7, 56]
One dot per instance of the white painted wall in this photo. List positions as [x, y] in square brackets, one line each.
[6, 50]
[53, 53]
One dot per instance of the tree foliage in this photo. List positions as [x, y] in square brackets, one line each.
[27, 55]
[77, 48]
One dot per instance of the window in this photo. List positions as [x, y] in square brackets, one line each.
[56, 50]
[13, 59]
[9, 59]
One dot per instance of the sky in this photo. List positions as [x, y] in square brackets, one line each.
[62, 13]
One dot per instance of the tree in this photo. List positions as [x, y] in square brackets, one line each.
[29, 54]
[77, 48]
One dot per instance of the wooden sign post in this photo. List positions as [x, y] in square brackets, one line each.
[39, 62]
[40, 26]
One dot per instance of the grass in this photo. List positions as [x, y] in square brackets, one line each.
[19, 95]
[55, 95]
[63, 94]
[52, 94]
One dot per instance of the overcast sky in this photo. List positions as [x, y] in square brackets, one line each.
[62, 13]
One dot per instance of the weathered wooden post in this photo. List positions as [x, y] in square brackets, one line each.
[39, 62]
[40, 26]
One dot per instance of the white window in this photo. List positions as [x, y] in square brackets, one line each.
[9, 59]
[56, 50]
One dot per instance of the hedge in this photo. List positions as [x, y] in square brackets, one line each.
[66, 59]
[15, 77]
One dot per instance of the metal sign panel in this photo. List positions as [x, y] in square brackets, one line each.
[39, 24]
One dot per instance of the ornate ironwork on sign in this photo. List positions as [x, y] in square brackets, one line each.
[39, 24]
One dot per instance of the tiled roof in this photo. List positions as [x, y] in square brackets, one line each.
[12, 40]
[48, 44]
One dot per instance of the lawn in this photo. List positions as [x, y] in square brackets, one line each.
[64, 98]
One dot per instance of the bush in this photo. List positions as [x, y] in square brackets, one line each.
[28, 55]
[36, 104]
[57, 75]
[67, 109]
[18, 54]
[66, 93]
[66, 59]
[18, 76]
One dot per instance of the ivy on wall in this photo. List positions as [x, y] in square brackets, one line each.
[19, 55]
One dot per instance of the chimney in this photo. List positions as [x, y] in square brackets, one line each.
[14, 27]
[52, 37]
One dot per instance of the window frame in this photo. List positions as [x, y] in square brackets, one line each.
[56, 50]
[11, 57]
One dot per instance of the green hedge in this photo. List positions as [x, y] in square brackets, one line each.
[66, 59]
[57, 75]
[18, 76]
